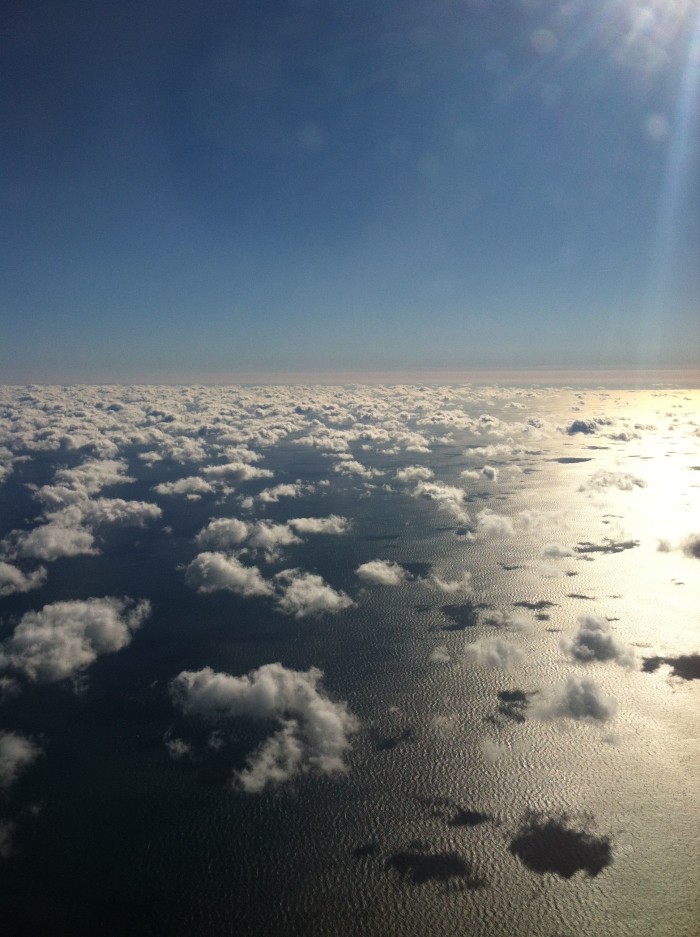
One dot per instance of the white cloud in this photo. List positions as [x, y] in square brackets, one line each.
[64, 638]
[333, 524]
[491, 524]
[555, 551]
[494, 652]
[313, 731]
[192, 487]
[211, 572]
[623, 481]
[487, 473]
[304, 594]
[382, 573]
[119, 511]
[14, 580]
[456, 585]
[223, 533]
[240, 471]
[272, 495]
[413, 473]
[500, 619]
[50, 541]
[447, 497]
[270, 538]
[353, 467]
[578, 698]
[595, 641]
[17, 753]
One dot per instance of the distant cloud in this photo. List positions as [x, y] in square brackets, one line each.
[382, 573]
[413, 473]
[595, 641]
[223, 533]
[17, 753]
[578, 698]
[14, 580]
[623, 481]
[464, 584]
[587, 427]
[333, 524]
[487, 473]
[211, 572]
[192, 487]
[448, 498]
[64, 638]
[689, 545]
[313, 733]
[555, 551]
[494, 652]
[238, 471]
[306, 594]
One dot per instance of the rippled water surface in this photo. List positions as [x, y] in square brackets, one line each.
[524, 754]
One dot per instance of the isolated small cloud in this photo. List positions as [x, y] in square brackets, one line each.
[594, 641]
[313, 732]
[579, 698]
[14, 580]
[622, 481]
[272, 495]
[494, 652]
[333, 524]
[212, 572]
[306, 594]
[447, 497]
[223, 533]
[556, 551]
[17, 753]
[691, 546]
[507, 620]
[464, 584]
[64, 638]
[382, 573]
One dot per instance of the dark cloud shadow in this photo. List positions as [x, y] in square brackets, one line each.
[608, 546]
[580, 595]
[453, 814]
[512, 704]
[417, 868]
[369, 850]
[535, 606]
[462, 616]
[509, 568]
[571, 460]
[418, 570]
[551, 844]
[385, 743]
[686, 666]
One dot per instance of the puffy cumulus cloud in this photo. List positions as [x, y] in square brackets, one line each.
[463, 584]
[487, 473]
[269, 538]
[222, 533]
[623, 481]
[353, 467]
[94, 475]
[49, 542]
[333, 524]
[579, 698]
[192, 487]
[413, 473]
[118, 511]
[272, 495]
[14, 580]
[500, 619]
[494, 652]
[587, 427]
[382, 573]
[64, 638]
[447, 497]
[236, 471]
[490, 524]
[212, 572]
[313, 733]
[595, 641]
[17, 753]
[555, 551]
[306, 594]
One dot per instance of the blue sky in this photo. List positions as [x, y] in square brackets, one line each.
[252, 187]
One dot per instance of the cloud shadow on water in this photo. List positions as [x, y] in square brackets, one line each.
[418, 867]
[686, 666]
[551, 844]
[462, 616]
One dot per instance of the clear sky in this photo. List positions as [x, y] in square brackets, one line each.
[200, 188]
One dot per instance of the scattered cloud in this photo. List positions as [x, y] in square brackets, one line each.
[577, 698]
[211, 572]
[313, 732]
[333, 524]
[306, 594]
[64, 638]
[464, 584]
[494, 652]
[17, 753]
[594, 641]
[382, 573]
[14, 580]
[622, 481]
